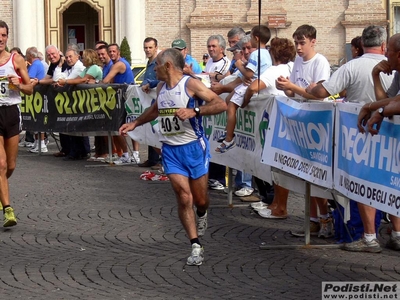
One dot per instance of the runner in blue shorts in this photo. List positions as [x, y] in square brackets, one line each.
[181, 103]
[176, 160]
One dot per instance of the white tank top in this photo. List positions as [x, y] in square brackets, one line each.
[174, 131]
[9, 94]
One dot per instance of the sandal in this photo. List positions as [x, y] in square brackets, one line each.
[59, 154]
[222, 137]
[94, 158]
[225, 146]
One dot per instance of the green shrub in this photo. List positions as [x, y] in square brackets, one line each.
[125, 50]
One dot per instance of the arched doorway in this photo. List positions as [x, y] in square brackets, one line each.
[97, 18]
[81, 26]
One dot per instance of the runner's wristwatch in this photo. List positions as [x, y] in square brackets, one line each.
[380, 111]
[197, 111]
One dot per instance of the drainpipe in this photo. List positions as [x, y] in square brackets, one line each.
[388, 17]
[180, 19]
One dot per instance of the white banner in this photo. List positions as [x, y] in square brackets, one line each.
[250, 132]
[367, 167]
[136, 103]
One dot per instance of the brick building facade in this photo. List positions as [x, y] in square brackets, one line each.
[337, 22]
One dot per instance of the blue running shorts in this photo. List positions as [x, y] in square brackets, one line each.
[190, 160]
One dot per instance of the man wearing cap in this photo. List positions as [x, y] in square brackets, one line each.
[191, 65]
[204, 62]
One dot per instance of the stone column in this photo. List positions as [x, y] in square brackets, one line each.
[130, 22]
[135, 28]
[26, 31]
[40, 21]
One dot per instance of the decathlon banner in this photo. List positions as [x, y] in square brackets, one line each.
[74, 108]
[300, 141]
[367, 167]
[136, 103]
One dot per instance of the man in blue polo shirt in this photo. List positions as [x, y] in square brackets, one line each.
[120, 72]
[191, 65]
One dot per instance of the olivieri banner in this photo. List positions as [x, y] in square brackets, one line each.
[74, 108]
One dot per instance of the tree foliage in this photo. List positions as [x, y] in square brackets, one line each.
[125, 50]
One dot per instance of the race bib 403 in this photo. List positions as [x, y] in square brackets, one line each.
[169, 123]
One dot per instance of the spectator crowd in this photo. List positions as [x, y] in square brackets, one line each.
[259, 65]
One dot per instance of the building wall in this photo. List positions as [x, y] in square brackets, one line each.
[162, 20]
[6, 14]
[337, 22]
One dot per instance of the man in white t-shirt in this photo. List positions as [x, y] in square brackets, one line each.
[387, 105]
[356, 78]
[309, 67]
[219, 64]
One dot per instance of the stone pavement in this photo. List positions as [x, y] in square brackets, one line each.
[87, 230]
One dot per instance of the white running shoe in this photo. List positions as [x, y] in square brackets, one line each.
[43, 149]
[326, 228]
[244, 192]
[113, 158]
[123, 160]
[259, 204]
[196, 258]
[135, 157]
[25, 144]
[34, 146]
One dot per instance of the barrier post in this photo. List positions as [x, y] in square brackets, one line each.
[229, 183]
[307, 213]
[39, 145]
[110, 147]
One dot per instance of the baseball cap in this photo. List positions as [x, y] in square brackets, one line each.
[237, 46]
[205, 55]
[178, 44]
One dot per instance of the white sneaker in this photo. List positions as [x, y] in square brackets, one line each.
[135, 157]
[196, 258]
[23, 144]
[244, 192]
[202, 225]
[215, 185]
[113, 158]
[257, 205]
[34, 146]
[43, 149]
[123, 160]
[326, 228]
